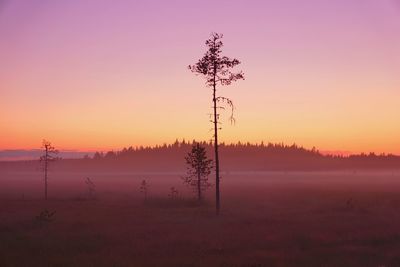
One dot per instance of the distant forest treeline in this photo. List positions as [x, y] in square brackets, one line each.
[247, 156]
[234, 157]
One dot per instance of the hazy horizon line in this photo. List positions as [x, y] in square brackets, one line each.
[19, 154]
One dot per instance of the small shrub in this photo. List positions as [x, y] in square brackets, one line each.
[144, 189]
[350, 205]
[90, 188]
[45, 216]
[174, 194]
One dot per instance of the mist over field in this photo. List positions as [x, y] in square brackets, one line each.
[340, 218]
[34, 154]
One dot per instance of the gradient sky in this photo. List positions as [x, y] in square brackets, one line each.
[95, 74]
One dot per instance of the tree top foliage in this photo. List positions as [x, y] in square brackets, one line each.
[215, 67]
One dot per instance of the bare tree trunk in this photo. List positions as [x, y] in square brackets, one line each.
[45, 174]
[217, 193]
[198, 185]
[216, 69]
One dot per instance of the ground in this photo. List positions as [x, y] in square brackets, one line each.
[267, 219]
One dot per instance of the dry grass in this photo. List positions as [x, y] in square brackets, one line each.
[303, 224]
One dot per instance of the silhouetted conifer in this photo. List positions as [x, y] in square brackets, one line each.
[49, 155]
[144, 189]
[216, 69]
[198, 169]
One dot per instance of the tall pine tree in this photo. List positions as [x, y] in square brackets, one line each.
[216, 69]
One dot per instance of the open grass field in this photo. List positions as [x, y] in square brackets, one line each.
[267, 219]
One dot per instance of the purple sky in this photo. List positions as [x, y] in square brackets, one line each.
[82, 73]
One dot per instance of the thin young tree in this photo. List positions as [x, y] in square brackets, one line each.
[198, 169]
[216, 69]
[91, 188]
[173, 193]
[49, 155]
[144, 189]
